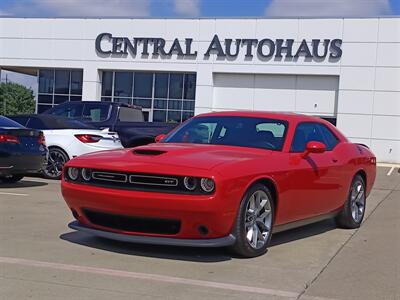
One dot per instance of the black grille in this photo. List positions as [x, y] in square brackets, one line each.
[133, 224]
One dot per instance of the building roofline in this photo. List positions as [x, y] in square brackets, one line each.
[208, 18]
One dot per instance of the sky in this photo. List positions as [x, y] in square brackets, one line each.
[198, 8]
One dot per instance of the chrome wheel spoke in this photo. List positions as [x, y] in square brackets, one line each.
[258, 219]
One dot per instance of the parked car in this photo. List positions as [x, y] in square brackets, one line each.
[127, 120]
[22, 151]
[222, 179]
[67, 139]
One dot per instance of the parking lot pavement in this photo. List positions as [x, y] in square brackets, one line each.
[40, 258]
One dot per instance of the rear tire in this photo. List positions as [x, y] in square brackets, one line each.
[254, 222]
[11, 178]
[57, 159]
[353, 211]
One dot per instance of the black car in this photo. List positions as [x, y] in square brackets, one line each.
[22, 151]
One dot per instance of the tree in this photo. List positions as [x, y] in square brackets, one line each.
[16, 99]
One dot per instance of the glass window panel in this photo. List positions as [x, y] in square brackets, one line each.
[43, 108]
[106, 84]
[106, 99]
[146, 103]
[45, 99]
[75, 98]
[158, 103]
[174, 116]
[60, 99]
[96, 112]
[123, 84]
[143, 85]
[46, 81]
[190, 86]
[188, 105]
[159, 115]
[61, 82]
[76, 82]
[123, 100]
[174, 104]
[161, 85]
[176, 86]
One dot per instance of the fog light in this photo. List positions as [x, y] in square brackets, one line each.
[73, 173]
[207, 185]
[86, 174]
[190, 183]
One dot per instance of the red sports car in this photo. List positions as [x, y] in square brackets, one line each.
[222, 179]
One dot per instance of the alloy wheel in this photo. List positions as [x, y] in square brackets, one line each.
[56, 162]
[258, 220]
[357, 201]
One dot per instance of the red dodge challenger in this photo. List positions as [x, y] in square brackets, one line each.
[222, 179]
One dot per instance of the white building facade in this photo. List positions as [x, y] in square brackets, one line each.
[345, 70]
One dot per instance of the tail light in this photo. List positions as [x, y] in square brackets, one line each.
[42, 140]
[88, 138]
[5, 138]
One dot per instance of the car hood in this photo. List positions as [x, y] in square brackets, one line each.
[196, 156]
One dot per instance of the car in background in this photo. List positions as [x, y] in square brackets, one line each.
[222, 179]
[67, 139]
[129, 121]
[22, 151]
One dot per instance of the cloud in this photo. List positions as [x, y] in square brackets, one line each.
[187, 8]
[327, 8]
[82, 8]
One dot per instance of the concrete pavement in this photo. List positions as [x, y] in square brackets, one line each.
[40, 258]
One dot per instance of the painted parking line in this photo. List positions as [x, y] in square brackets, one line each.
[390, 171]
[151, 277]
[13, 194]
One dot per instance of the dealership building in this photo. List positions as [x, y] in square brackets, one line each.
[345, 70]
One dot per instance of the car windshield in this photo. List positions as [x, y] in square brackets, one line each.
[7, 123]
[232, 131]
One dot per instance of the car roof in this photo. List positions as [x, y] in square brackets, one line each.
[288, 116]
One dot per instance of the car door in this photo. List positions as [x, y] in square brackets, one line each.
[313, 184]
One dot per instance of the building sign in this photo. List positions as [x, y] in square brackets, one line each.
[107, 44]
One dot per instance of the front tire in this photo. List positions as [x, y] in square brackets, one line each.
[353, 211]
[11, 178]
[57, 159]
[254, 222]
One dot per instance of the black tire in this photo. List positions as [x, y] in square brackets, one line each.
[11, 178]
[350, 216]
[57, 159]
[242, 246]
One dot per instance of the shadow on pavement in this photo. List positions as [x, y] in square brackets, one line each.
[22, 184]
[165, 252]
[205, 255]
[302, 232]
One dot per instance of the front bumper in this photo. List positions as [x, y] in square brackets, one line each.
[194, 212]
[216, 242]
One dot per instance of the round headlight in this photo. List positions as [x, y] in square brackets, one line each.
[207, 185]
[190, 183]
[73, 173]
[86, 174]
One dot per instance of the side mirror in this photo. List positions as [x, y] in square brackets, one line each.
[159, 137]
[314, 147]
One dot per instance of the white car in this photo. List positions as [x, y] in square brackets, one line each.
[67, 139]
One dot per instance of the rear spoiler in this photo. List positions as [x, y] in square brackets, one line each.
[359, 144]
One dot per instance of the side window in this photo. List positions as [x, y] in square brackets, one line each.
[127, 114]
[306, 132]
[95, 112]
[35, 123]
[330, 139]
[70, 111]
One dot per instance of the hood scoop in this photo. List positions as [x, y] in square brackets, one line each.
[151, 152]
